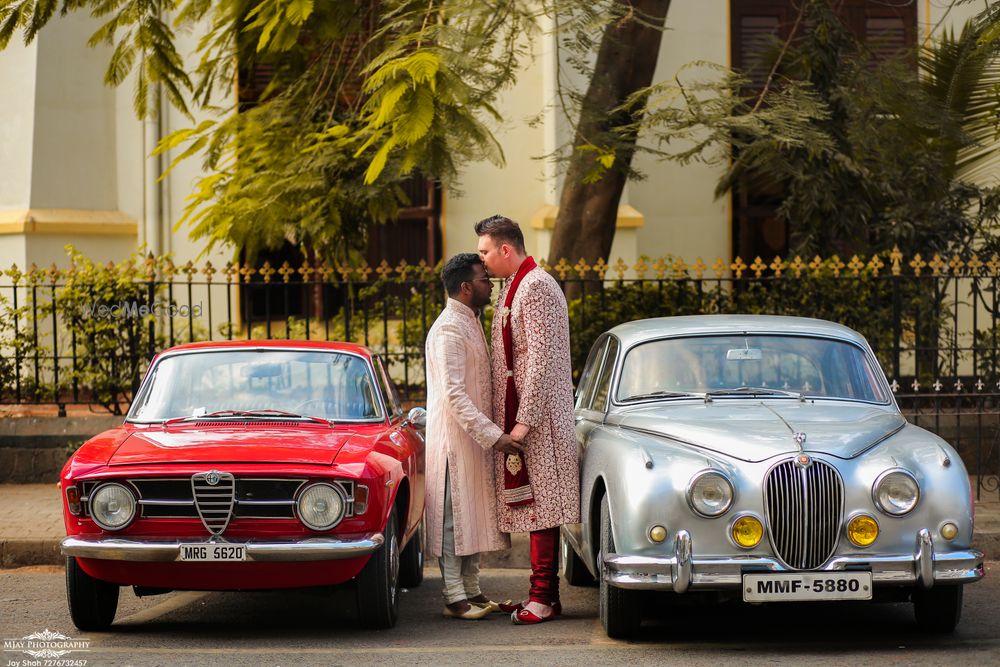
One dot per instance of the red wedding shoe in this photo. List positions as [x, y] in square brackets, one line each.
[525, 617]
[509, 608]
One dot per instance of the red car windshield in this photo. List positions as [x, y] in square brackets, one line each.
[219, 383]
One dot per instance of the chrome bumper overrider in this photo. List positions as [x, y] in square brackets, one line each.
[166, 551]
[682, 572]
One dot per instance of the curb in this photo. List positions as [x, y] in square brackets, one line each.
[22, 553]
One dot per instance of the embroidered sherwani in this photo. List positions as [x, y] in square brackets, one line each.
[460, 434]
[542, 376]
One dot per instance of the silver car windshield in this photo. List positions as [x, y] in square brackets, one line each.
[224, 383]
[749, 365]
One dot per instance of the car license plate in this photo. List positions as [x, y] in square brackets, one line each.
[213, 552]
[798, 586]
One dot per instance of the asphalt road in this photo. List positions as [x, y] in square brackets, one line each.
[311, 628]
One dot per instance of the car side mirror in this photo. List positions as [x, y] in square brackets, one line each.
[417, 417]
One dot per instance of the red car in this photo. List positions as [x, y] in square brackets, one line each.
[250, 465]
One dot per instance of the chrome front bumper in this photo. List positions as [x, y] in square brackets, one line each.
[168, 551]
[681, 572]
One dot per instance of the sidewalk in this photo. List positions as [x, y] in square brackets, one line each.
[32, 528]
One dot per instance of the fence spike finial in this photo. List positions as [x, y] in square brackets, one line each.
[797, 266]
[875, 264]
[856, 266]
[975, 265]
[581, 268]
[680, 268]
[738, 266]
[699, 268]
[285, 271]
[719, 267]
[562, 268]
[937, 265]
[956, 264]
[917, 264]
[600, 268]
[993, 266]
[641, 267]
[777, 266]
[620, 268]
[896, 259]
[660, 267]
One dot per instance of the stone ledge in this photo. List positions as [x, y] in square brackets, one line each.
[21, 553]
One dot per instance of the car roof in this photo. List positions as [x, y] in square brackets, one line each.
[639, 331]
[272, 343]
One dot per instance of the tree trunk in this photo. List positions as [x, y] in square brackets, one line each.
[626, 60]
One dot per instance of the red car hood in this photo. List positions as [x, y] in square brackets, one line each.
[257, 444]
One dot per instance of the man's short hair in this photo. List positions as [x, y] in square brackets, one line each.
[458, 270]
[502, 230]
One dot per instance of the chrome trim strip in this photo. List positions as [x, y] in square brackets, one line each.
[168, 551]
[660, 573]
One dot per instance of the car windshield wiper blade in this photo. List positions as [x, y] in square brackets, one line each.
[755, 391]
[664, 394]
[265, 413]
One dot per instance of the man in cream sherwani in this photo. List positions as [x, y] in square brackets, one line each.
[460, 497]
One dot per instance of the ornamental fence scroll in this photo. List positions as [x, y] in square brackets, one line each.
[85, 334]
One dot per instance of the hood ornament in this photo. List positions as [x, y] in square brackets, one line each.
[800, 438]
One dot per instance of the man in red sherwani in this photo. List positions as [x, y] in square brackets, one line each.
[533, 399]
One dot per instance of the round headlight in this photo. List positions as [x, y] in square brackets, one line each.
[896, 492]
[862, 530]
[710, 494]
[747, 531]
[112, 506]
[321, 506]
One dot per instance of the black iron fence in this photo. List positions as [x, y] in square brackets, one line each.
[85, 334]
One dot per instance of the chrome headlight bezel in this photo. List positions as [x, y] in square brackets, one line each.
[696, 487]
[885, 478]
[93, 503]
[336, 491]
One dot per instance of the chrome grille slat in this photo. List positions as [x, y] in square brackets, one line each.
[214, 502]
[803, 507]
[255, 497]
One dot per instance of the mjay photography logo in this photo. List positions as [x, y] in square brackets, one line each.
[46, 648]
[136, 309]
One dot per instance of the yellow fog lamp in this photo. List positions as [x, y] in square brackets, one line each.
[949, 531]
[862, 530]
[747, 531]
[657, 534]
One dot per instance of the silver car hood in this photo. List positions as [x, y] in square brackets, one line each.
[755, 430]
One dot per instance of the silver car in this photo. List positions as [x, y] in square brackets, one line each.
[763, 458]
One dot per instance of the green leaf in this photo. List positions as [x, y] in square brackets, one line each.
[378, 162]
[412, 126]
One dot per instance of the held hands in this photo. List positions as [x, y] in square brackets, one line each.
[519, 432]
[508, 446]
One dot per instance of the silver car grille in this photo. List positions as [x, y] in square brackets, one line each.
[214, 493]
[804, 505]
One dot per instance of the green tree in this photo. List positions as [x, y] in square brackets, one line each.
[319, 158]
[905, 142]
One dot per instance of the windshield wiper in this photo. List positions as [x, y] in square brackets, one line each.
[265, 413]
[665, 394]
[755, 391]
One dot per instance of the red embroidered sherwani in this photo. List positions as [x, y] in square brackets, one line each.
[542, 376]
